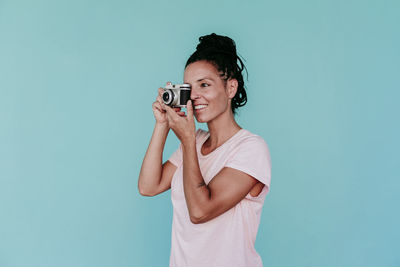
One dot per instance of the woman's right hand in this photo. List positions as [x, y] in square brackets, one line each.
[159, 113]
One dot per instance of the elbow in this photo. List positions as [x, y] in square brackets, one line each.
[197, 218]
[145, 193]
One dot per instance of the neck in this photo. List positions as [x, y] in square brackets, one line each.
[221, 129]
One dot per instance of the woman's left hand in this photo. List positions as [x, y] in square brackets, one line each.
[183, 126]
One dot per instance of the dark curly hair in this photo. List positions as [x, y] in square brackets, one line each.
[221, 52]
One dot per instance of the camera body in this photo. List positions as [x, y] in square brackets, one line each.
[176, 95]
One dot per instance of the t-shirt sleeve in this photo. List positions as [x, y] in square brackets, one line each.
[252, 157]
[176, 157]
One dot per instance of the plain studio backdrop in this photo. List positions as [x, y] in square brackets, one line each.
[77, 80]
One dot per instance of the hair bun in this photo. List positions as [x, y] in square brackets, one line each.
[216, 43]
[221, 52]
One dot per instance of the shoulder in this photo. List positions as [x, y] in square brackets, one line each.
[249, 147]
[250, 154]
[249, 139]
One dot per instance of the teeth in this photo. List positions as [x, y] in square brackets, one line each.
[200, 106]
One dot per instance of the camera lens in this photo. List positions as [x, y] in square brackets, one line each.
[168, 97]
[165, 97]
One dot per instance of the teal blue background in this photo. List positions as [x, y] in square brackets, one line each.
[77, 79]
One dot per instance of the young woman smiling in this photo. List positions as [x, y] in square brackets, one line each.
[218, 178]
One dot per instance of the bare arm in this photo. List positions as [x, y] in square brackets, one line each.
[155, 177]
[225, 190]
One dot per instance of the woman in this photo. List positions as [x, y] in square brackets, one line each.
[218, 179]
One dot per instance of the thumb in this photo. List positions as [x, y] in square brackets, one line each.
[189, 108]
[168, 110]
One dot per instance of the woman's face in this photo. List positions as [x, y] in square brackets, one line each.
[209, 94]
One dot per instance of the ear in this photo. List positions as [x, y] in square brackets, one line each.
[231, 87]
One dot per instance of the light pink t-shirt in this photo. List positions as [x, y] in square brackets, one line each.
[227, 240]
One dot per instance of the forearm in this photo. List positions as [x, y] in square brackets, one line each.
[151, 171]
[197, 194]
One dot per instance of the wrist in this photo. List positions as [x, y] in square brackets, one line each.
[189, 141]
[161, 129]
[162, 125]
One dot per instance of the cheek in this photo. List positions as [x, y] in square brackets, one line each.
[222, 100]
[218, 99]
[216, 96]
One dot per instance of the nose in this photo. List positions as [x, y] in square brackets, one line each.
[194, 94]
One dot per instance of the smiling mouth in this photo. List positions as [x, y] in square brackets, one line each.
[198, 107]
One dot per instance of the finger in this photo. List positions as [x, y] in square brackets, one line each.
[159, 99]
[181, 113]
[167, 108]
[189, 108]
[160, 91]
[177, 109]
[171, 113]
[159, 95]
[157, 106]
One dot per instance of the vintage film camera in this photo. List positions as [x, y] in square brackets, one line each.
[176, 95]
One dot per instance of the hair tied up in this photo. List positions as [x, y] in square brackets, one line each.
[221, 52]
[218, 43]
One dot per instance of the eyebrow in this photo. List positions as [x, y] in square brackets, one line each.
[205, 78]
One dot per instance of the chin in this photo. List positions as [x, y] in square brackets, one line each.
[200, 120]
[205, 117]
